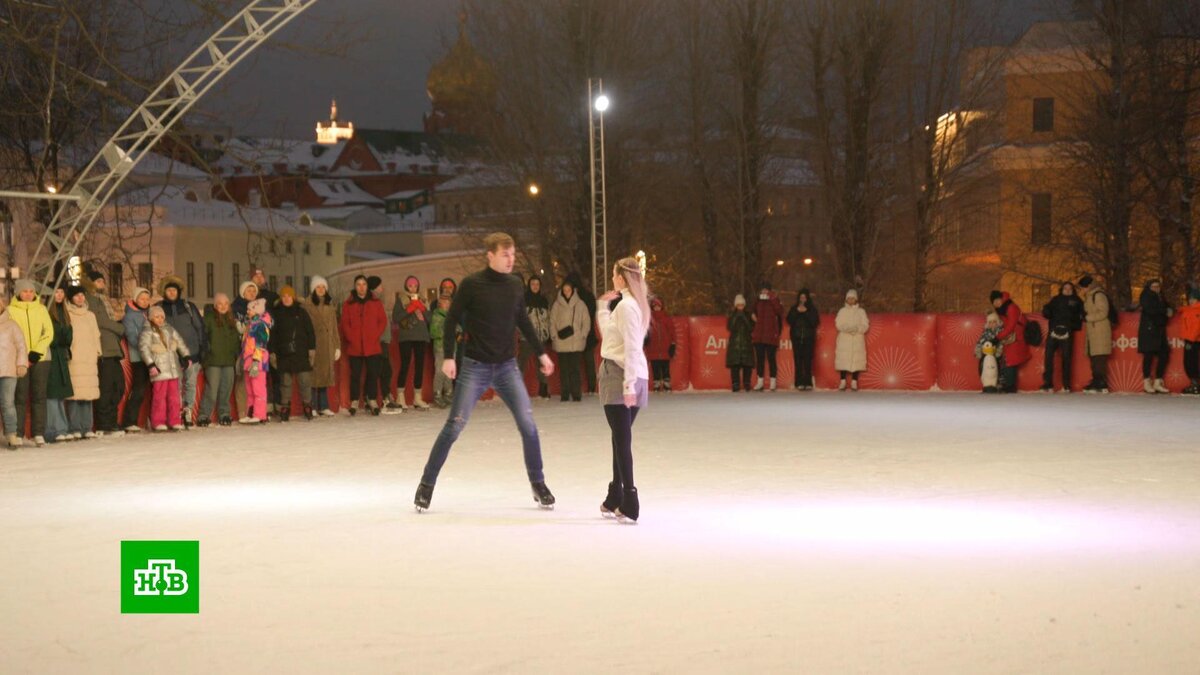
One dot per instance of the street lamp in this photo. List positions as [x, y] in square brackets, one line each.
[808, 262]
[534, 190]
[598, 103]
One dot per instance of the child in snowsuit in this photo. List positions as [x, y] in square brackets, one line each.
[256, 361]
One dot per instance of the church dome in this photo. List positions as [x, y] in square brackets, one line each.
[463, 77]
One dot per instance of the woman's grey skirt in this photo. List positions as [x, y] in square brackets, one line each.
[612, 385]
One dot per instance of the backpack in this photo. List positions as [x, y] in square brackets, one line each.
[1033, 331]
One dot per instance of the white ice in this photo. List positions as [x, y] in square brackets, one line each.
[816, 532]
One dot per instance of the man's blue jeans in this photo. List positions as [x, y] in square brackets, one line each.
[474, 378]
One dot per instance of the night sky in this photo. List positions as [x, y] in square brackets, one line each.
[282, 91]
[380, 83]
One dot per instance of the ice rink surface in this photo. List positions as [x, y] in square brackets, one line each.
[814, 532]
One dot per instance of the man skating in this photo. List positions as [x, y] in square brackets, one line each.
[491, 306]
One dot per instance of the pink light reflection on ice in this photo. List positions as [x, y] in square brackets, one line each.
[956, 526]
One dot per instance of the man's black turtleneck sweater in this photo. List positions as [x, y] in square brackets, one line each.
[491, 307]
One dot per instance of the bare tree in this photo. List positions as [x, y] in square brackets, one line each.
[847, 49]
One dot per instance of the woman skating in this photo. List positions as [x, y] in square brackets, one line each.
[623, 318]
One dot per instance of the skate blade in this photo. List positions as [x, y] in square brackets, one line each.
[605, 513]
[420, 509]
[625, 520]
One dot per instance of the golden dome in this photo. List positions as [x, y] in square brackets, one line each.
[463, 77]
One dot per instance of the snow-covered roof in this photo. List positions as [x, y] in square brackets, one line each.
[266, 153]
[404, 194]
[337, 191]
[175, 206]
[494, 177]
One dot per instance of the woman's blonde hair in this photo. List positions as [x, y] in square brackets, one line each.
[631, 271]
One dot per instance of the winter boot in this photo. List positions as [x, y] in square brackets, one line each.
[853, 385]
[759, 386]
[308, 412]
[842, 384]
[353, 409]
[419, 402]
[187, 418]
[375, 410]
[1148, 385]
[543, 393]
[14, 442]
[628, 513]
[424, 496]
[608, 508]
[773, 386]
[1193, 390]
[667, 385]
[541, 495]
[285, 413]
[203, 422]
[392, 407]
[226, 421]
[658, 386]
[1160, 387]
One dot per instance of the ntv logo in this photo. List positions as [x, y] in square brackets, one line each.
[160, 577]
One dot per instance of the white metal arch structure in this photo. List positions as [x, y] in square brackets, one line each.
[165, 106]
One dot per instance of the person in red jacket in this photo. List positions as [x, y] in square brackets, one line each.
[1012, 336]
[1189, 330]
[660, 345]
[361, 326]
[768, 323]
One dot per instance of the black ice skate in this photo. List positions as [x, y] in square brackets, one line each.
[608, 508]
[424, 495]
[628, 513]
[541, 495]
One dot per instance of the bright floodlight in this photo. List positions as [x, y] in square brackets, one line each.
[779, 263]
[602, 103]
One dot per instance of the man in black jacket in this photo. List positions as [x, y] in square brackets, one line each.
[1064, 314]
[491, 305]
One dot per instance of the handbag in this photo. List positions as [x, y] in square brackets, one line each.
[566, 332]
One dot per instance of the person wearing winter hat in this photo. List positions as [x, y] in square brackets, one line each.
[569, 327]
[256, 360]
[538, 309]
[1152, 337]
[247, 293]
[14, 363]
[112, 375]
[410, 315]
[1098, 315]
[84, 365]
[450, 287]
[260, 281]
[803, 320]
[166, 353]
[293, 347]
[739, 356]
[323, 315]
[660, 345]
[361, 327]
[850, 352]
[383, 361]
[1012, 337]
[185, 318]
[139, 376]
[768, 325]
[38, 330]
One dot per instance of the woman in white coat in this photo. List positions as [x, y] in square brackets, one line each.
[623, 317]
[850, 357]
[569, 328]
